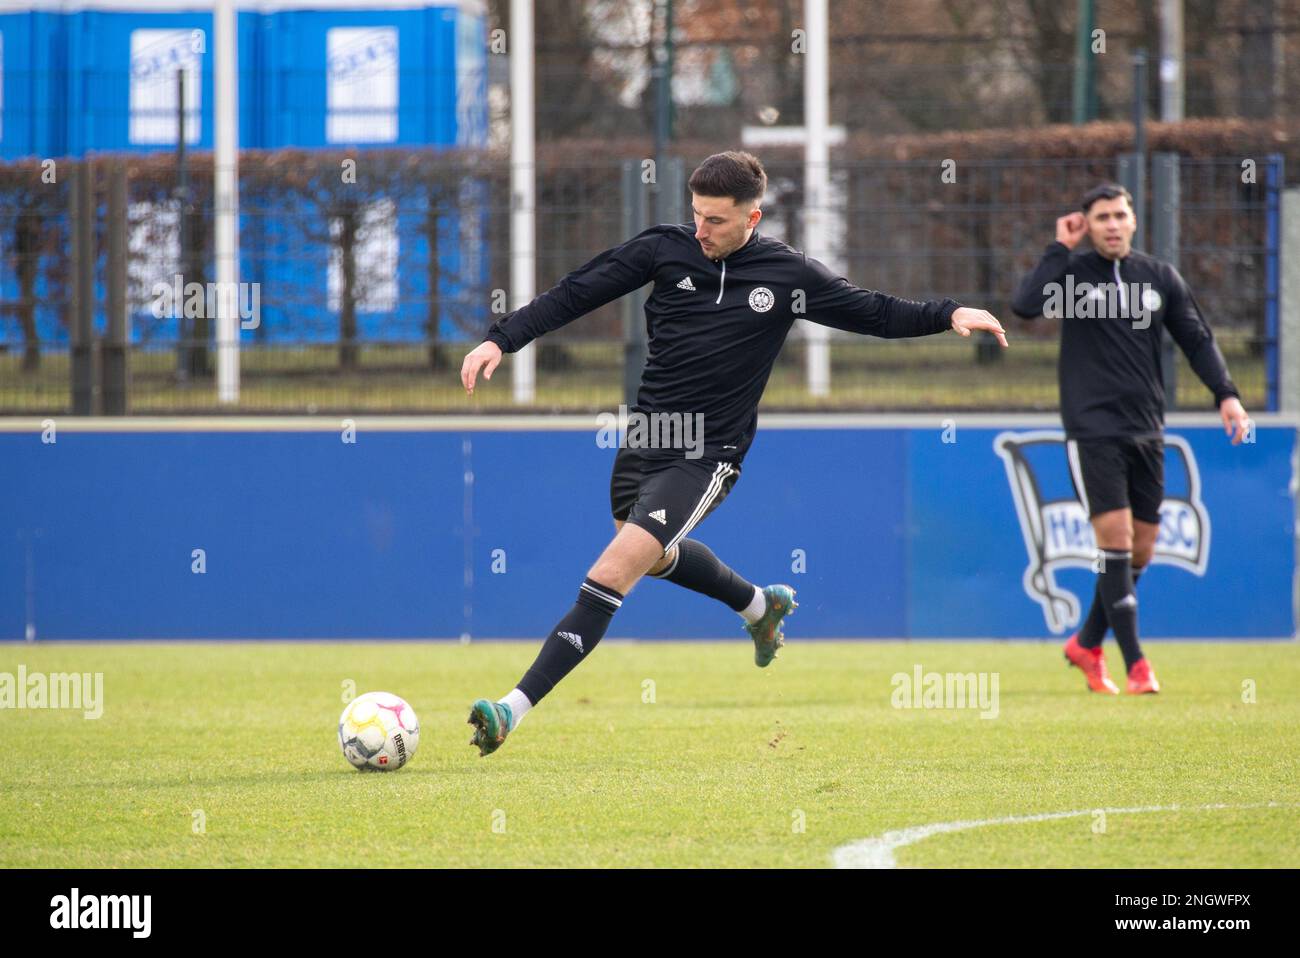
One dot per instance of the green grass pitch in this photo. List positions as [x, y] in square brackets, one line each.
[227, 755]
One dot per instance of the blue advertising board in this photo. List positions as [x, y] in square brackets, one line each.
[277, 530]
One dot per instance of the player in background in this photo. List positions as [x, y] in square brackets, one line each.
[724, 299]
[1113, 403]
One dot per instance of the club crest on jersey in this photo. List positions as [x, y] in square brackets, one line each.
[1055, 524]
[761, 299]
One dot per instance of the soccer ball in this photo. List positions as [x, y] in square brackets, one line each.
[378, 731]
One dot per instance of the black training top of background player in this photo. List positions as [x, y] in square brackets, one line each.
[1112, 382]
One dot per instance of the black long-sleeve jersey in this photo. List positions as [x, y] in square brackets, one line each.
[715, 327]
[1111, 312]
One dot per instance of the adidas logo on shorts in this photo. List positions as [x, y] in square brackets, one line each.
[572, 639]
[660, 516]
[686, 284]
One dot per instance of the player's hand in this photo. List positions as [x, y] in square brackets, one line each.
[1235, 421]
[486, 357]
[965, 320]
[1070, 229]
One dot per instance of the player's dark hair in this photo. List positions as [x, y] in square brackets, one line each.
[1106, 191]
[735, 174]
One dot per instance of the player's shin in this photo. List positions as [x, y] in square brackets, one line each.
[572, 639]
[698, 569]
[1115, 585]
[1093, 630]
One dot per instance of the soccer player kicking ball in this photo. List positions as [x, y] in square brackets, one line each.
[724, 299]
[1116, 301]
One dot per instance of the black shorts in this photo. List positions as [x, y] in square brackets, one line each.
[667, 497]
[1119, 473]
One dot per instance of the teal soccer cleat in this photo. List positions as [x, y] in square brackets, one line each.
[492, 722]
[766, 632]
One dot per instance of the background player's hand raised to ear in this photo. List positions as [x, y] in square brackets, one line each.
[965, 320]
[1070, 229]
[485, 357]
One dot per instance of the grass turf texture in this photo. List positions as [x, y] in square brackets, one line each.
[719, 770]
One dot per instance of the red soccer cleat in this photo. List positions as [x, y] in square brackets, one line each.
[1141, 679]
[1092, 663]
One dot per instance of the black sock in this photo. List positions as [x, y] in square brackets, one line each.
[572, 639]
[1093, 631]
[698, 569]
[1115, 584]
[1094, 627]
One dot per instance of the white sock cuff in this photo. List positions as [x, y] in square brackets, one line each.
[519, 705]
[757, 607]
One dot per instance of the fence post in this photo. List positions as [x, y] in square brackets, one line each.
[1273, 183]
[113, 351]
[1165, 208]
[634, 334]
[82, 223]
[183, 213]
[1289, 302]
[672, 190]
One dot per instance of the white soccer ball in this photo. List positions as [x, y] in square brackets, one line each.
[378, 731]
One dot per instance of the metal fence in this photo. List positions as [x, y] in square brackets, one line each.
[368, 298]
[903, 68]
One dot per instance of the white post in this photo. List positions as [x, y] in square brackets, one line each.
[1288, 326]
[1171, 61]
[523, 167]
[816, 102]
[226, 194]
[1288, 331]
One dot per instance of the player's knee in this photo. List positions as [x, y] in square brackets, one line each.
[664, 562]
[1114, 530]
[611, 575]
[1116, 540]
[626, 559]
[606, 570]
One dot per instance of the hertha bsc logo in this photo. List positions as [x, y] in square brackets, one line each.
[761, 299]
[1055, 525]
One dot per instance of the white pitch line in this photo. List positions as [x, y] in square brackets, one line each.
[878, 852]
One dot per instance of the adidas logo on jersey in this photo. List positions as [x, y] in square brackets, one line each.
[660, 516]
[686, 284]
[572, 639]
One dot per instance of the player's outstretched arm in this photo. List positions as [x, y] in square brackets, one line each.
[485, 358]
[605, 278]
[834, 301]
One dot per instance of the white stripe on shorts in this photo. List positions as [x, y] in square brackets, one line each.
[720, 475]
